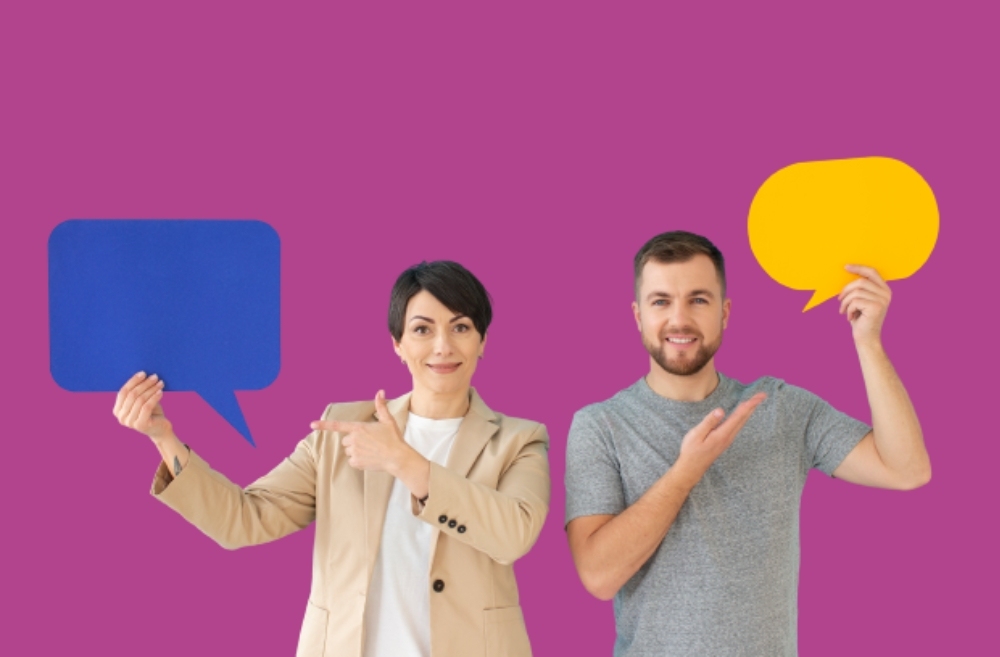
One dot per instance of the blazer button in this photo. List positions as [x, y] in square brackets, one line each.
[442, 518]
[451, 523]
[461, 529]
[438, 585]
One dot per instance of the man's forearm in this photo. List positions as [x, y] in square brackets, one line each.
[898, 437]
[616, 551]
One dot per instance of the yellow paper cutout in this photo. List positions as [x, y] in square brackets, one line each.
[808, 220]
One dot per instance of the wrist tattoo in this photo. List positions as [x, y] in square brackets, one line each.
[177, 466]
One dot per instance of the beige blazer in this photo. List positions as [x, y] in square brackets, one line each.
[487, 506]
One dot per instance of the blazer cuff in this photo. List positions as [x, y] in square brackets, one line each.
[442, 501]
[167, 488]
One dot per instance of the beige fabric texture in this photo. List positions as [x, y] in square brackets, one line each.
[495, 486]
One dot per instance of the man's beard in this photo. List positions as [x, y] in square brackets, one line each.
[684, 365]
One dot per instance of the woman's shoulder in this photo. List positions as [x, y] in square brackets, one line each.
[350, 411]
[523, 427]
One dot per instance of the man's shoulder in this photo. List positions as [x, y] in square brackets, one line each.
[605, 418]
[782, 396]
[771, 385]
[616, 403]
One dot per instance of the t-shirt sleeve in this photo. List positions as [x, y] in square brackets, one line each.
[829, 434]
[593, 475]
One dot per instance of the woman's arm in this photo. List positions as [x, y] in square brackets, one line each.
[505, 522]
[277, 504]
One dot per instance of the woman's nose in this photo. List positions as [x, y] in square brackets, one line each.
[442, 343]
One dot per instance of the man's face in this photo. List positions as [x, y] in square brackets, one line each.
[681, 313]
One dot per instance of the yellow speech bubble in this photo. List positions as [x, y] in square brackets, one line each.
[808, 220]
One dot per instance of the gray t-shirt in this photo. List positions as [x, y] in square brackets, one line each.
[724, 581]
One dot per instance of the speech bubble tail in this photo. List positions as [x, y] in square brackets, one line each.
[818, 297]
[224, 403]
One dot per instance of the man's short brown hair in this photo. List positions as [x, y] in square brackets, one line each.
[678, 246]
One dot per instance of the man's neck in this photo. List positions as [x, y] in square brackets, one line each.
[687, 388]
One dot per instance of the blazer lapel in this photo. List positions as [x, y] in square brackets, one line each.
[378, 487]
[476, 429]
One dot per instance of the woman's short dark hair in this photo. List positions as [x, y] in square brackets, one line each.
[451, 284]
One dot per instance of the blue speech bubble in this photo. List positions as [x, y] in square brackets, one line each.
[196, 302]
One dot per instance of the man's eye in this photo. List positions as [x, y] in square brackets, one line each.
[700, 300]
[660, 302]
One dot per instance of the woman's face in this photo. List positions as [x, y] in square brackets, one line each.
[440, 348]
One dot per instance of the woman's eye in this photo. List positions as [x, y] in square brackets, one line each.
[421, 330]
[462, 328]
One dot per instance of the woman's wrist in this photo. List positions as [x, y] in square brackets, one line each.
[415, 473]
[164, 437]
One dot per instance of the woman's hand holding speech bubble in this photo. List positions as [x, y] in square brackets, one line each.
[137, 407]
[203, 310]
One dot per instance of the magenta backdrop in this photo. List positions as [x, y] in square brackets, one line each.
[539, 144]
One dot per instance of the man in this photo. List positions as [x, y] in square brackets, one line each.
[689, 520]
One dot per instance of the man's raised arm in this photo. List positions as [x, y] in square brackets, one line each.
[893, 454]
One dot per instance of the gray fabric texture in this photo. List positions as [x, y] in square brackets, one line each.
[724, 581]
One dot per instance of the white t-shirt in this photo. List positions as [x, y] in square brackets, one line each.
[398, 614]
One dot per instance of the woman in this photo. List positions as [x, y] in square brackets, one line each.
[421, 503]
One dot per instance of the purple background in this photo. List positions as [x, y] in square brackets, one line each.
[540, 144]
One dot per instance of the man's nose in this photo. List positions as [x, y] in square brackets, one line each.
[678, 316]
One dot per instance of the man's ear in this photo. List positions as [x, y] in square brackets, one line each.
[726, 306]
[635, 313]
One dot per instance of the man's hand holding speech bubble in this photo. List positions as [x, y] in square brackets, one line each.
[814, 226]
[809, 221]
[865, 302]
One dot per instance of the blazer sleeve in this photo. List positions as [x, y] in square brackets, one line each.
[505, 522]
[277, 504]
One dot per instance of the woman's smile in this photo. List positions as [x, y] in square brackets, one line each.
[443, 368]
